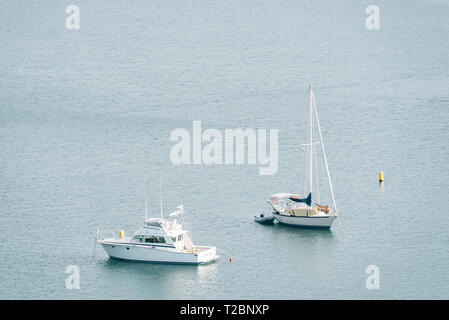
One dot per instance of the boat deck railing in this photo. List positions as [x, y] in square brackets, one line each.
[201, 248]
[100, 234]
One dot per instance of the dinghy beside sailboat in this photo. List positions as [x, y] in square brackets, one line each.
[263, 219]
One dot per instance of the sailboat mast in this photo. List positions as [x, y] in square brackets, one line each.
[310, 138]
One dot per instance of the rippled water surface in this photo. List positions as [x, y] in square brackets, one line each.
[85, 123]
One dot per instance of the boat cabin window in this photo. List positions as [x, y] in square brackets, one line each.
[180, 237]
[173, 239]
[138, 238]
[154, 239]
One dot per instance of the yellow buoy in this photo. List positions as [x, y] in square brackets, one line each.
[381, 176]
[122, 233]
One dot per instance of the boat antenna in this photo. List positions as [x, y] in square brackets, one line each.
[146, 206]
[160, 188]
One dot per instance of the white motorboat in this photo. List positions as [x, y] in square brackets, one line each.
[160, 241]
[289, 208]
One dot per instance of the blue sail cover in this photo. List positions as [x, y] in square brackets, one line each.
[307, 200]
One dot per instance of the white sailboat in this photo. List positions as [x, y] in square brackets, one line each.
[289, 208]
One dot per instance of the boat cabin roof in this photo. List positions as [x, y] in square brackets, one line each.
[299, 205]
[148, 231]
[160, 227]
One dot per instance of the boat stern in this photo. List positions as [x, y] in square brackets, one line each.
[206, 254]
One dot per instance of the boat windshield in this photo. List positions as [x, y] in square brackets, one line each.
[149, 239]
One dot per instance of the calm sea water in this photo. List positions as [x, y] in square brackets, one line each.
[86, 116]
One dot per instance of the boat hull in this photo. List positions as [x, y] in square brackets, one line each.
[306, 222]
[156, 254]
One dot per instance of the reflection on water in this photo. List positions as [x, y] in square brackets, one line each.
[164, 280]
[306, 234]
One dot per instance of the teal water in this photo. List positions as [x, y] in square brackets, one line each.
[86, 116]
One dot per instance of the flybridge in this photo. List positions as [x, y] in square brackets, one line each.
[189, 150]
